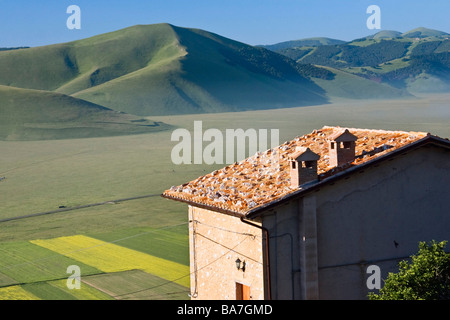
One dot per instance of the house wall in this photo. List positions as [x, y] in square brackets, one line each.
[216, 241]
[358, 222]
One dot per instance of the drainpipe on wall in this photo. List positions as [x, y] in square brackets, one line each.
[266, 232]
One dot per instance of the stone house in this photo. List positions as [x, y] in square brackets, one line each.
[305, 220]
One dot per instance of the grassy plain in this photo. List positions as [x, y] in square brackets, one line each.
[44, 175]
[27, 263]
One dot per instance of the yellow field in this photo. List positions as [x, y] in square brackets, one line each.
[16, 293]
[110, 257]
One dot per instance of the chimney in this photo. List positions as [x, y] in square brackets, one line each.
[303, 166]
[341, 148]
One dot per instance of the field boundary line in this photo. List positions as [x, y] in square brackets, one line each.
[78, 207]
[109, 293]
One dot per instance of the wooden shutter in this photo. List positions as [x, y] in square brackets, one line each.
[242, 292]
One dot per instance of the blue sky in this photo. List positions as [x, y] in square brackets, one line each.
[34, 23]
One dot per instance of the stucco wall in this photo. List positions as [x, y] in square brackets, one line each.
[378, 217]
[359, 221]
[216, 241]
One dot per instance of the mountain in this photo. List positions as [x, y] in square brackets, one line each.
[296, 49]
[307, 42]
[28, 114]
[416, 61]
[211, 73]
[12, 48]
[386, 34]
[162, 69]
[424, 33]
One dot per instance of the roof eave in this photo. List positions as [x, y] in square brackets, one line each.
[204, 206]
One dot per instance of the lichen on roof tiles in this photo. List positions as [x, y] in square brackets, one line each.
[264, 177]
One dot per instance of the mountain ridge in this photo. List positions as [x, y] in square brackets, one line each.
[415, 61]
[305, 42]
[159, 69]
[381, 34]
[162, 69]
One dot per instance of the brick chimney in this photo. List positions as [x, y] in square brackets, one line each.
[341, 148]
[303, 166]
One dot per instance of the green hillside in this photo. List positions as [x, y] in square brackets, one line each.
[74, 66]
[422, 32]
[209, 73]
[386, 34]
[307, 42]
[162, 69]
[28, 114]
[12, 48]
[347, 85]
[416, 61]
[354, 55]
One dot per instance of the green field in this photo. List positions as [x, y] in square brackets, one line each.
[45, 175]
[27, 263]
[57, 290]
[137, 285]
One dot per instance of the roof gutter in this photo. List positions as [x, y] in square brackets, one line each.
[266, 234]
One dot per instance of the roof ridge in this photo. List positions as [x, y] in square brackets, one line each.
[376, 130]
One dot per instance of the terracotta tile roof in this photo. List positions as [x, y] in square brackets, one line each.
[264, 177]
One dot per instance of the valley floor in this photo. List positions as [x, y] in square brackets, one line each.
[42, 176]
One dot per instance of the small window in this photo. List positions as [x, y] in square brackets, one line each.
[293, 165]
[309, 164]
[332, 145]
[347, 145]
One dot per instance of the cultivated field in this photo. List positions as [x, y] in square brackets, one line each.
[109, 257]
[47, 176]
